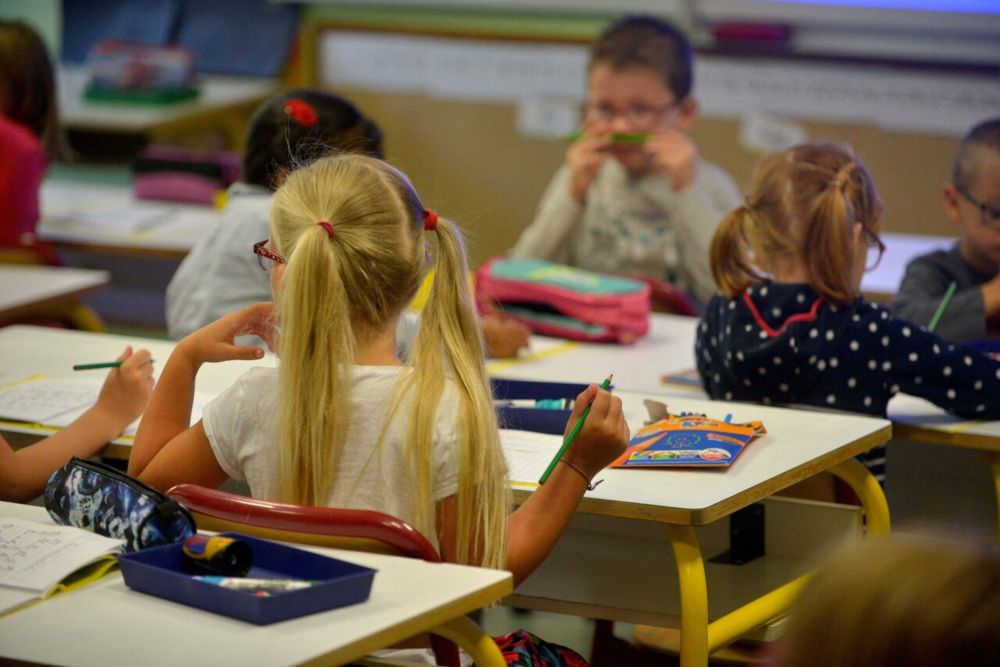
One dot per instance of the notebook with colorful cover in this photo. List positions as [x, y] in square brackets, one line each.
[688, 440]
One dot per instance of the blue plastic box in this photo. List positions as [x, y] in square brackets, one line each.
[534, 419]
[157, 571]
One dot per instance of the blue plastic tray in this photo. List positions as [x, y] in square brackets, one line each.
[532, 419]
[157, 571]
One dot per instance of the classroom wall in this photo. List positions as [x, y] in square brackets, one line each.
[470, 162]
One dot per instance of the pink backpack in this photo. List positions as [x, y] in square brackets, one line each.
[563, 301]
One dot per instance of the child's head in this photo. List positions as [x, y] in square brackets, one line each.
[812, 212]
[639, 80]
[299, 125]
[972, 199]
[27, 84]
[354, 237]
[898, 601]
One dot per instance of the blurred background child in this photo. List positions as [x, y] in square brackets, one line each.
[644, 203]
[898, 601]
[30, 135]
[972, 202]
[220, 275]
[789, 326]
[126, 391]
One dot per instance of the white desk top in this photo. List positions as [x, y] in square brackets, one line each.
[24, 287]
[215, 92]
[667, 348]
[108, 217]
[109, 624]
[922, 420]
[884, 280]
[799, 443]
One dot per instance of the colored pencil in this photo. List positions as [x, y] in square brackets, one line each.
[943, 306]
[100, 364]
[571, 437]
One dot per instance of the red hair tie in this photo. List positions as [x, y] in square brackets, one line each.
[430, 220]
[301, 112]
[327, 226]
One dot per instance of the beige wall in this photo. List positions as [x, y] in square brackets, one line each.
[469, 162]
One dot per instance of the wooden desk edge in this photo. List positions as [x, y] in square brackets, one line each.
[57, 300]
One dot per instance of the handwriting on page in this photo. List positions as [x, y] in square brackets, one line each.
[41, 400]
[35, 556]
[528, 453]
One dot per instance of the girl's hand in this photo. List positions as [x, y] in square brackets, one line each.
[585, 157]
[604, 435]
[215, 341]
[503, 336]
[673, 154]
[126, 389]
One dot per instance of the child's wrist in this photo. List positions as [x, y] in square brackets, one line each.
[588, 479]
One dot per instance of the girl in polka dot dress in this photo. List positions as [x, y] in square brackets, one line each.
[789, 326]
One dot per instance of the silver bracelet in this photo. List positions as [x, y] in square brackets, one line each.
[590, 485]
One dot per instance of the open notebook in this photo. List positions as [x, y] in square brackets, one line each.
[37, 561]
[55, 402]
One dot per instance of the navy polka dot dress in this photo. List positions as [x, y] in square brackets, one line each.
[780, 343]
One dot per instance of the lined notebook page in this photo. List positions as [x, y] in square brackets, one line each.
[528, 454]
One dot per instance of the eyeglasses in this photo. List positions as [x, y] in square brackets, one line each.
[265, 257]
[990, 215]
[637, 114]
[873, 242]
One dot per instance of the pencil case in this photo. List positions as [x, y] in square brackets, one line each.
[190, 175]
[99, 498]
[563, 301]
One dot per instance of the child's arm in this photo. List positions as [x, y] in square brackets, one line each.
[126, 390]
[536, 525]
[169, 412]
[503, 336]
[557, 216]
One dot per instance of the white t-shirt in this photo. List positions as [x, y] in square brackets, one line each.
[242, 427]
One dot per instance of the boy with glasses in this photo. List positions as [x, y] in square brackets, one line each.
[634, 197]
[972, 202]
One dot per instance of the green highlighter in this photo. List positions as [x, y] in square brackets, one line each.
[616, 137]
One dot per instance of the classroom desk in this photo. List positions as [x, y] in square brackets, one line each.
[882, 283]
[799, 444]
[108, 624]
[107, 218]
[923, 421]
[27, 350]
[26, 289]
[224, 103]
[607, 585]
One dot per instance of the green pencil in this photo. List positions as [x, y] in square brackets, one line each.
[943, 306]
[100, 364]
[571, 437]
[616, 137]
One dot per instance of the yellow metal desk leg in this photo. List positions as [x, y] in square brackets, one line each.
[995, 466]
[869, 492]
[476, 643]
[693, 595]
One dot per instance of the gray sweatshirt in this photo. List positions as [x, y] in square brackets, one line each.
[924, 285]
[633, 225]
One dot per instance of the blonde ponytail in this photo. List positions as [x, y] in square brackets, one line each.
[728, 255]
[449, 341]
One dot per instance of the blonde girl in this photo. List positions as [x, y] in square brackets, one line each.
[790, 327]
[342, 422]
